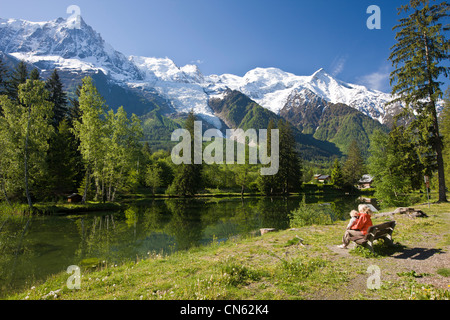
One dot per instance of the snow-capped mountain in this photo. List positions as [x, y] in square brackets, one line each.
[272, 87]
[58, 44]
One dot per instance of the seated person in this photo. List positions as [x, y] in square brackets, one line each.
[359, 229]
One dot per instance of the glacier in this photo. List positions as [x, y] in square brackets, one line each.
[57, 44]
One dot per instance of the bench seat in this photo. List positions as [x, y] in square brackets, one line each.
[379, 231]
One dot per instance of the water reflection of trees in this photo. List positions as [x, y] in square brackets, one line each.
[12, 232]
[50, 244]
[96, 235]
[185, 223]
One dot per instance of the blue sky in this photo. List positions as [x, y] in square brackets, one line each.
[234, 36]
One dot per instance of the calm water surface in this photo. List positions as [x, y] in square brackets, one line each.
[32, 249]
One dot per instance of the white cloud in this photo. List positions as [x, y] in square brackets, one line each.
[338, 65]
[378, 80]
[198, 61]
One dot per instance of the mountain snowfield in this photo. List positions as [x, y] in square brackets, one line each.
[58, 44]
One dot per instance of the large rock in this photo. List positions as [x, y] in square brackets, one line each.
[410, 212]
[266, 230]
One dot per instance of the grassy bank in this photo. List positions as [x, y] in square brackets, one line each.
[303, 263]
[17, 209]
[144, 195]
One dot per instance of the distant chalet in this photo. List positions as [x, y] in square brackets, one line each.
[322, 178]
[365, 182]
[74, 198]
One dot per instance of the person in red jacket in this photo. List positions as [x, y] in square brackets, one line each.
[359, 229]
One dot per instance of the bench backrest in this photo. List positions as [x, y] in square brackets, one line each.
[380, 230]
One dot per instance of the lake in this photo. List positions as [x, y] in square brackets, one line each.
[33, 248]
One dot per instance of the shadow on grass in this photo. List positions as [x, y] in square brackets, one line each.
[397, 251]
[418, 253]
[380, 249]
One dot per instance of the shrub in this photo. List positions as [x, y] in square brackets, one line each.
[309, 214]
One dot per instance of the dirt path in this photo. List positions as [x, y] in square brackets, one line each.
[423, 258]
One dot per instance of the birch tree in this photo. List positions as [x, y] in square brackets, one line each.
[25, 131]
[88, 128]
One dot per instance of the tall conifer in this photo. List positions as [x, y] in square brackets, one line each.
[58, 97]
[18, 77]
[421, 47]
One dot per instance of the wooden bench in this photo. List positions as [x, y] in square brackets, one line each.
[379, 231]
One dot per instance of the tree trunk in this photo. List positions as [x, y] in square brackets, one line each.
[4, 192]
[110, 189]
[86, 185]
[437, 141]
[439, 157]
[27, 191]
[103, 191]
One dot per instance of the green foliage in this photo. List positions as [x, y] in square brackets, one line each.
[303, 269]
[153, 177]
[242, 112]
[188, 177]
[343, 125]
[63, 161]
[417, 58]
[392, 184]
[58, 97]
[309, 214]
[121, 145]
[235, 274]
[109, 142]
[24, 132]
[289, 176]
[445, 131]
[337, 176]
[354, 166]
[290, 166]
[239, 111]
[157, 129]
[421, 46]
[3, 78]
[18, 76]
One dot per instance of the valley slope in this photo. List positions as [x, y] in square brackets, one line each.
[162, 93]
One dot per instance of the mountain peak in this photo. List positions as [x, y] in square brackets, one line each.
[320, 73]
[63, 43]
[71, 44]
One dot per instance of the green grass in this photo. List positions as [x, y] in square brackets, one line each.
[445, 272]
[17, 209]
[290, 264]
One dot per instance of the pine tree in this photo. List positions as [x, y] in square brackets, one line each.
[188, 179]
[18, 77]
[445, 131]
[3, 78]
[35, 75]
[63, 161]
[337, 176]
[243, 170]
[386, 164]
[58, 97]
[290, 171]
[73, 112]
[289, 175]
[353, 167]
[421, 47]
[267, 184]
